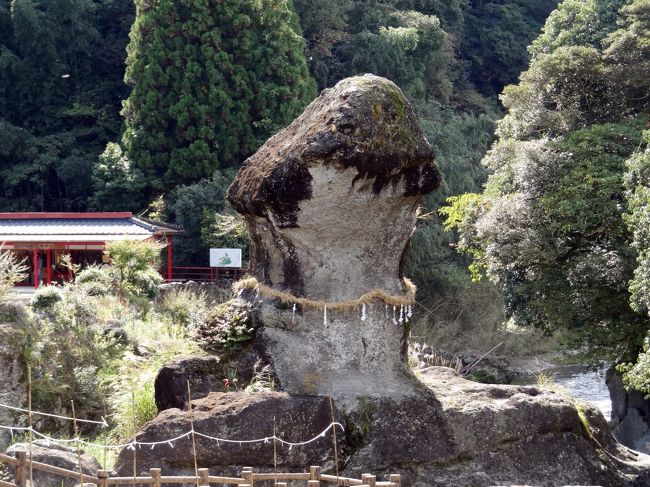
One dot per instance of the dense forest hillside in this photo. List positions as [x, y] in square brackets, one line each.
[562, 224]
[152, 106]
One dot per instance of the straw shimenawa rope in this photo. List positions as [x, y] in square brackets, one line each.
[408, 298]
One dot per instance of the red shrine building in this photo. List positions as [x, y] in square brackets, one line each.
[43, 238]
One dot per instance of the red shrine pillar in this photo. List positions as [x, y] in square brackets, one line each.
[35, 269]
[48, 263]
[169, 258]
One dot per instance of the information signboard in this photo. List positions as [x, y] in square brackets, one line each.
[225, 258]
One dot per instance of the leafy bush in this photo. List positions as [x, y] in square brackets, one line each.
[227, 326]
[67, 351]
[46, 297]
[93, 274]
[12, 270]
[185, 307]
[134, 408]
[134, 267]
[145, 283]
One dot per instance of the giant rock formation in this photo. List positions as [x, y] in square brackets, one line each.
[330, 203]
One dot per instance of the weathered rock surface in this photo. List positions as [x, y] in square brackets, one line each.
[630, 414]
[205, 374]
[58, 456]
[12, 370]
[238, 416]
[452, 432]
[330, 203]
[489, 369]
[202, 373]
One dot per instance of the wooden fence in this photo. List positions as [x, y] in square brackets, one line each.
[247, 477]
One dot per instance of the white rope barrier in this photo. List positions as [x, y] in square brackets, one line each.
[102, 423]
[170, 441]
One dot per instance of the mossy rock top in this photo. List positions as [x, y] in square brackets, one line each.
[364, 122]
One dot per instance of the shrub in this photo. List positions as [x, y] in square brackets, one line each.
[145, 283]
[133, 268]
[226, 327]
[93, 275]
[12, 270]
[185, 307]
[46, 297]
[134, 408]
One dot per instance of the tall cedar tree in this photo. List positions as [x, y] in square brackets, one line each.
[211, 81]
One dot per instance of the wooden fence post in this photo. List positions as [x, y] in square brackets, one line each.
[21, 456]
[313, 483]
[396, 479]
[247, 475]
[314, 474]
[204, 474]
[102, 475]
[155, 474]
[369, 479]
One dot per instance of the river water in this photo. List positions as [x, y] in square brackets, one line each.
[580, 381]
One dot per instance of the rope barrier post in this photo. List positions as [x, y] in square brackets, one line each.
[31, 425]
[102, 475]
[204, 477]
[76, 437]
[155, 474]
[314, 475]
[369, 479]
[275, 454]
[21, 456]
[396, 480]
[189, 405]
[336, 454]
[135, 430]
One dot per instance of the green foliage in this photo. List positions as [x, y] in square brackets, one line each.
[577, 23]
[636, 375]
[117, 184]
[134, 267]
[193, 207]
[549, 227]
[184, 307]
[226, 230]
[131, 379]
[46, 297]
[228, 328]
[495, 32]
[211, 81]
[134, 410]
[67, 351]
[262, 379]
[561, 91]
[627, 55]
[61, 72]
[12, 270]
[637, 180]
